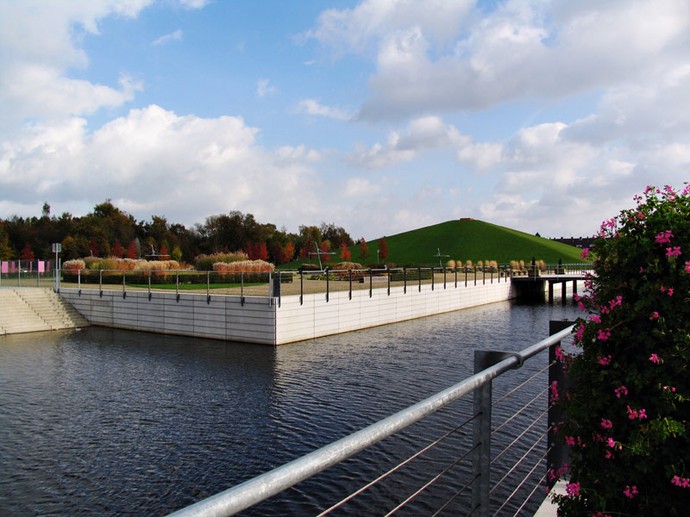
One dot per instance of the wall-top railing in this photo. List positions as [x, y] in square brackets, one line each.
[302, 282]
[519, 466]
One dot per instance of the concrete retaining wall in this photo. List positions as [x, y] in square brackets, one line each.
[263, 320]
[220, 317]
[316, 318]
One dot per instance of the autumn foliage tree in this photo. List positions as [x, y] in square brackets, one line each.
[383, 250]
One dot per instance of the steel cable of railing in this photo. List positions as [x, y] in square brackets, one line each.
[275, 481]
[518, 462]
[524, 480]
[517, 439]
[521, 385]
[522, 410]
[397, 467]
[430, 482]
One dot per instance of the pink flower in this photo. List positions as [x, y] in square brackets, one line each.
[570, 440]
[572, 489]
[673, 251]
[634, 414]
[654, 358]
[603, 334]
[664, 237]
[667, 290]
[681, 482]
[611, 442]
[558, 352]
[595, 318]
[554, 392]
[605, 361]
[670, 388]
[617, 301]
[654, 316]
[621, 391]
[630, 491]
[580, 332]
[584, 253]
[687, 267]
[606, 424]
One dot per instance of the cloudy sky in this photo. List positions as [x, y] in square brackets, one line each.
[380, 116]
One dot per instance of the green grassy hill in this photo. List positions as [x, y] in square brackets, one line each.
[467, 239]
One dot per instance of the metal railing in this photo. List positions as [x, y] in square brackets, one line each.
[522, 474]
[301, 282]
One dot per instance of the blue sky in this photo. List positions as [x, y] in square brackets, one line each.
[379, 116]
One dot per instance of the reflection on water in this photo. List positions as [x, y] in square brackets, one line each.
[108, 422]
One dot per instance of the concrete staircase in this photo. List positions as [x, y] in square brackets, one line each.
[31, 309]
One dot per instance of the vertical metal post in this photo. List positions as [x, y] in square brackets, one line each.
[419, 278]
[404, 280]
[328, 286]
[557, 452]
[350, 293]
[432, 278]
[444, 278]
[124, 288]
[371, 283]
[481, 460]
[388, 274]
[301, 287]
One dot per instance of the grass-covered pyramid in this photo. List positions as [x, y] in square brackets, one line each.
[467, 239]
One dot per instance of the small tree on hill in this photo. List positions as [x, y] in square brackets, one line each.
[345, 253]
[383, 250]
[363, 249]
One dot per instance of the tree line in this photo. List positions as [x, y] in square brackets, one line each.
[108, 231]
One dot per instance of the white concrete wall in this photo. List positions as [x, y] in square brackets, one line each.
[261, 320]
[315, 317]
[223, 317]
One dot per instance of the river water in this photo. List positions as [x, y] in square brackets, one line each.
[111, 422]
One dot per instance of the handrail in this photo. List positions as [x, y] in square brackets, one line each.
[262, 487]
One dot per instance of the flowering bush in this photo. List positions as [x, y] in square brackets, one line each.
[628, 411]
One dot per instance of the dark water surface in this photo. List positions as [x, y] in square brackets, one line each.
[109, 422]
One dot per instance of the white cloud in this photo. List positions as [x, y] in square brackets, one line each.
[313, 107]
[520, 49]
[263, 88]
[198, 166]
[41, 43]
[167, 38]
[360, 187]
[422, 135]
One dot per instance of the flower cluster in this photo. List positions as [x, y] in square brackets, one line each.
[627, 413]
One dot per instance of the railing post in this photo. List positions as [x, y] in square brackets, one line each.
[481, 461]
[557, 452]
[328, 286]
[301, 286]
[404, 280]
[350, 292]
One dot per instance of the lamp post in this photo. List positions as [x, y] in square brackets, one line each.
[57, 248]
